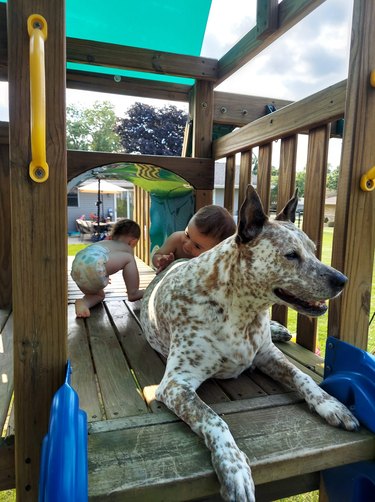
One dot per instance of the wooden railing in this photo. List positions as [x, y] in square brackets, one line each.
[312, 116]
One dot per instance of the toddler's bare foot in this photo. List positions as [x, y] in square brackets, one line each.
[81, 309]
[135, 295]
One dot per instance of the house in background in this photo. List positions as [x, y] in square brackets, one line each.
[114, 205]
[219, 182]
[330, 210]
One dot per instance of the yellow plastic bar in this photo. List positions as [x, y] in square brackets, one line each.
[37, 29]
[372, 78]
[368, 180]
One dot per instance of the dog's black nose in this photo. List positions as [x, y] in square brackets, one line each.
[338, 280]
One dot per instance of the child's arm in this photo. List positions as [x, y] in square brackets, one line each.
[166, 253]
[131, 279]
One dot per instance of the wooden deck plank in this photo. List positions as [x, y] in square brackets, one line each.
[83, 376]
[6, 369]
[143, 360]
[119, 394]
[169, 462]
[241, 387]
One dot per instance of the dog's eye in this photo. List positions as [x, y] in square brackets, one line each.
[292, 256]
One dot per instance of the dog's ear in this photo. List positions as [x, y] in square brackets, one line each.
[289, 211]
[251, 217]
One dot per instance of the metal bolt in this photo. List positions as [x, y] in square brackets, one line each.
[117, 78]
[39, 172]
[244, 112]
[330, 345]
[223, 109]
[37, 25]
[328, 369]
[204, 104]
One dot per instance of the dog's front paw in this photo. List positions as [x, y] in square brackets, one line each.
[279, 333]
[233, 470]
[336, 414]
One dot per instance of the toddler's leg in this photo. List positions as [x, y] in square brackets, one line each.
[83, 305]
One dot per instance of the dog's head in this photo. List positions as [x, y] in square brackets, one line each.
[285, 257]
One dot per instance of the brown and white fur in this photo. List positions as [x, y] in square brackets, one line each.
[209, 317]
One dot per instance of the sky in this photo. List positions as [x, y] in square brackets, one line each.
[311, 56]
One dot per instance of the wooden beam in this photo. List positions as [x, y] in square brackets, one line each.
[290, 12]
[322, 107]
[354, 236]
[39, 239]
[100, 82]
[197, 171]
[241, 109]
[267, 17]
[145, 60]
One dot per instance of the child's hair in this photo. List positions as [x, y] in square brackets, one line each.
[126, 227]
[215, 221]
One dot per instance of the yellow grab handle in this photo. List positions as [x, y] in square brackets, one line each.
[37, 29]
[372, 78]
[368, 180]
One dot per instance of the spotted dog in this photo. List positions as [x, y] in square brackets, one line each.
[209, 317]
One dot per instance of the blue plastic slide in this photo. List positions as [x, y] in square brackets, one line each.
[349, 375]
[63, 469]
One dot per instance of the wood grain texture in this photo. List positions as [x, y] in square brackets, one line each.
[169, 462]
[134, 58]
[245, 177]
[5, 229]
[285, 190]
[264, 175]
[354, 236]
[39, 229]
[202, 113]
[230, 173]
[320, 108]
[313, 216]
[83, 375]
[199, 172]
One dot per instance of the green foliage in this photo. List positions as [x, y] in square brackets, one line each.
[300, 182]
[92, 128]
[154, 131]
[332, 178]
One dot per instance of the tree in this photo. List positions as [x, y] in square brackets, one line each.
[333, 178]
[154, 131]
[92, 128]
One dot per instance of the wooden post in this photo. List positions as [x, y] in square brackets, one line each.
[313, 215]
[286, 187]
[264, 175]
[230, 173]
[202, 110]
[354, 235]
[245, 177]
[39, 239]
[5, 239]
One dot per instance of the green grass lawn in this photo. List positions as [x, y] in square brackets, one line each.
[323, 321]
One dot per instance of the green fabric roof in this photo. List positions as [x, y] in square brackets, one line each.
[176, 26]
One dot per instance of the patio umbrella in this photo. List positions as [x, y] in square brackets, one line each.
[100, 186]
[105, 187]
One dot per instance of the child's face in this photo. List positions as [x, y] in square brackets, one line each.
[195, 242]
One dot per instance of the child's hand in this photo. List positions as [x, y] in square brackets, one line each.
[163, 261]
